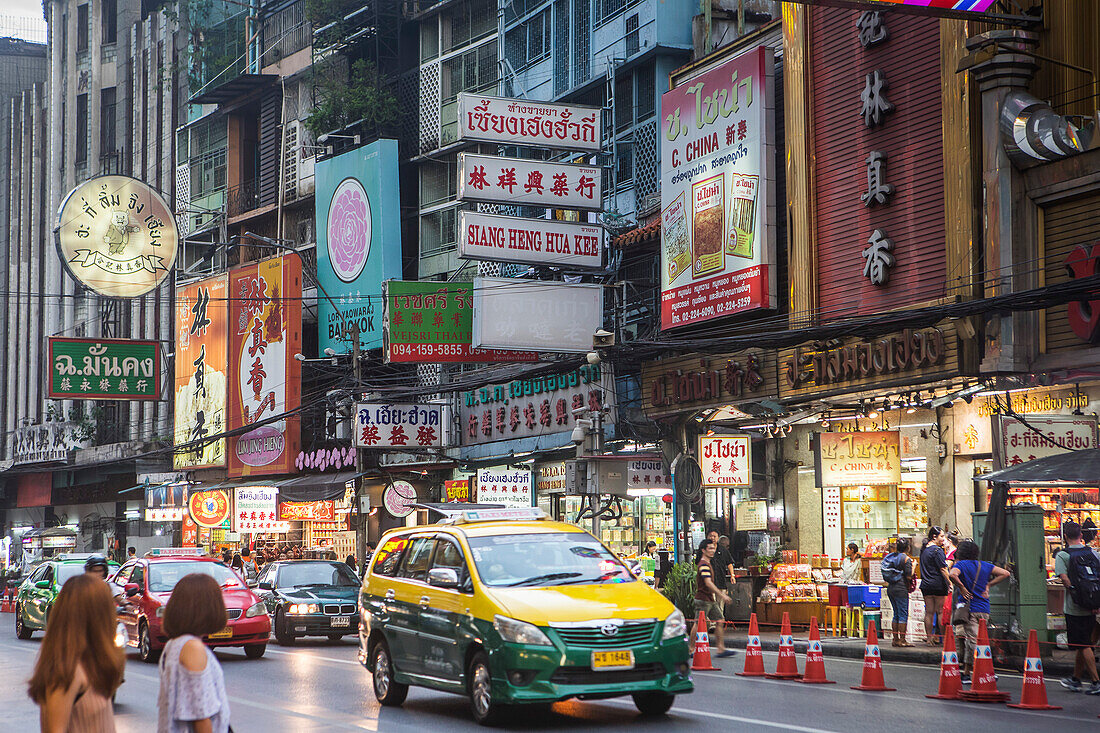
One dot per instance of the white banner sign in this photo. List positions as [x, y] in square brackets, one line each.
[533, 315]
[515, 181]
[726, 460]
[509, 486]
[384, 425]
[255, 510]
[165, 514]
[1015, 443]
[49, 441]
[523, 122]
[649, 473]
[534, 241]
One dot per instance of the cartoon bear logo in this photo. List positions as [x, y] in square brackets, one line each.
[118, 233]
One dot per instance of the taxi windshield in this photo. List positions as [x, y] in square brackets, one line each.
[315, 573]
[544, 559]
[163, 576]
[71, 570]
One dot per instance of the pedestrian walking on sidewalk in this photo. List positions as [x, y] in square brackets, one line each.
[973, 578]
[897, 571]
[79, 666]
[1078, 567]
[934, 584]
[707, 595]
[192, 689]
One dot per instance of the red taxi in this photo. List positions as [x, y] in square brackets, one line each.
[147, 582]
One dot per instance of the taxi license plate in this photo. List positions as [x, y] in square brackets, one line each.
[226, 633]
[341, 621]
[613, 660]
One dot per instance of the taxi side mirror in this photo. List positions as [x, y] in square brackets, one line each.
[132, 589]
[443, 578]
[43, 584]
[266, 585]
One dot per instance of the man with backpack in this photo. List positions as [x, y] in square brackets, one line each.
[1078, 567]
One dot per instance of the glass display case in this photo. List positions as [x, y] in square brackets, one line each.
[868, 513]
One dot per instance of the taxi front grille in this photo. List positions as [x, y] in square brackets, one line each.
[594, 638]
[234, 613]
[589, 676]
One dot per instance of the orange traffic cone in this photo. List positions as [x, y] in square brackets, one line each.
[984, 686]
[700, 661]
[1034, 695]
[754, 658]
[950, 681]
[787, 666]
[815, 661]
[872, 665]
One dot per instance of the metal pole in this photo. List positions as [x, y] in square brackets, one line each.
[361, 529]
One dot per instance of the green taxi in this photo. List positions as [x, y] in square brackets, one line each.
[37, 593]
[509, 608]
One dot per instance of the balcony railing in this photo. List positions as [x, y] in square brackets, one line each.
[244, 197]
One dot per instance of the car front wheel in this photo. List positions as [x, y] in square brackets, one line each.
[283, 633]
[21, 630]
[388, 691]
[486, 709]
[255, 651]
[145, 645]
[652, 704]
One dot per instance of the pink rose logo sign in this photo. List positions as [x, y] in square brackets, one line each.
[349, 230]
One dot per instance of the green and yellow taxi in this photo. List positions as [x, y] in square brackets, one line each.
[36, 594]
[510, 608]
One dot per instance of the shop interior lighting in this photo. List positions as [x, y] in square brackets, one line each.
[886, 405]
[873, 412]
[825, 421]
[913, 401]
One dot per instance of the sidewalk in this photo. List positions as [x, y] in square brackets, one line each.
[1059, 663]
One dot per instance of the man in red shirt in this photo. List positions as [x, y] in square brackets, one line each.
[707, 594]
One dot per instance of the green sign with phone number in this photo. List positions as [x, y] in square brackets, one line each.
[104, 369]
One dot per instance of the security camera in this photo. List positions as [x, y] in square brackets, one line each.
[330, 352]
[299, 357]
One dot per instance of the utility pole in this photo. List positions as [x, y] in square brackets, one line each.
[361, 528]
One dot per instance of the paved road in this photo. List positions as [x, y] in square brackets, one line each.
[317, 686]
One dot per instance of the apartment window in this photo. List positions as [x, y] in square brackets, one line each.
[624, 102]
[646, 95]
[82, 27]
[109, 30]
[429, 39]
[107, 106]
[632, 41]
[473, 71]
[468, 22]
[438, 231]
[624, 163]
[438, 182]
[81, 128]
[207, 161]
[529, 42]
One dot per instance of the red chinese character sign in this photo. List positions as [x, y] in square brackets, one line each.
[412, 427]
[529, 241]
[526, 122]
[201, 371]
[265, 332]
[718, 207]
[528, 182]
[254, 510]
[726, 460]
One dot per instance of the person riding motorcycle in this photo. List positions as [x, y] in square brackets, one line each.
[97, 565]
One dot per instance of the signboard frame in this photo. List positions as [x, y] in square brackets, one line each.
[120, 372]
[411, 426]
[492, 113]
[1006, 428]
[711, 454]
[877, 442]
[478, 183]
[500, 305]
[530, 241]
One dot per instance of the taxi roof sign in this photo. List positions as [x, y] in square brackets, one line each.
[500, 515]
[175, 552]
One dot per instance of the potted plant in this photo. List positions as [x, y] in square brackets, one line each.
[679, 587]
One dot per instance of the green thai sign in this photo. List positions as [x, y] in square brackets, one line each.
[104, 369]
[432, 322]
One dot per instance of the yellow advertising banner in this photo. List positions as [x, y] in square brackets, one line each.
[859, 459]
[202, 365]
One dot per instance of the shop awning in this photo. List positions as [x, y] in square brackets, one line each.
[1076, 468]
[316, 486]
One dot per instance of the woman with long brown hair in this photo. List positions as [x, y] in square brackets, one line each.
[79, 666]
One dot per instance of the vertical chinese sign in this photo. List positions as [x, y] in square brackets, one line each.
[358, 242]
[265, 332]
[717, 200]
[201, 372]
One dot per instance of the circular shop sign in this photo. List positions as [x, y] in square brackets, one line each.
[399, 498]
[117, 236]
[349, 230]
[209, 508]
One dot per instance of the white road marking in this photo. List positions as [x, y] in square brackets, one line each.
[731, 718]
[353, 662]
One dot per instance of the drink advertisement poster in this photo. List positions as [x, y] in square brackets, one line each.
[717, 200]
[202, 368]
[358, 215]
[265, 332]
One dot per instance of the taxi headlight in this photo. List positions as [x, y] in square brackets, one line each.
[519, 632]
[256, 609]
[674, 625]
